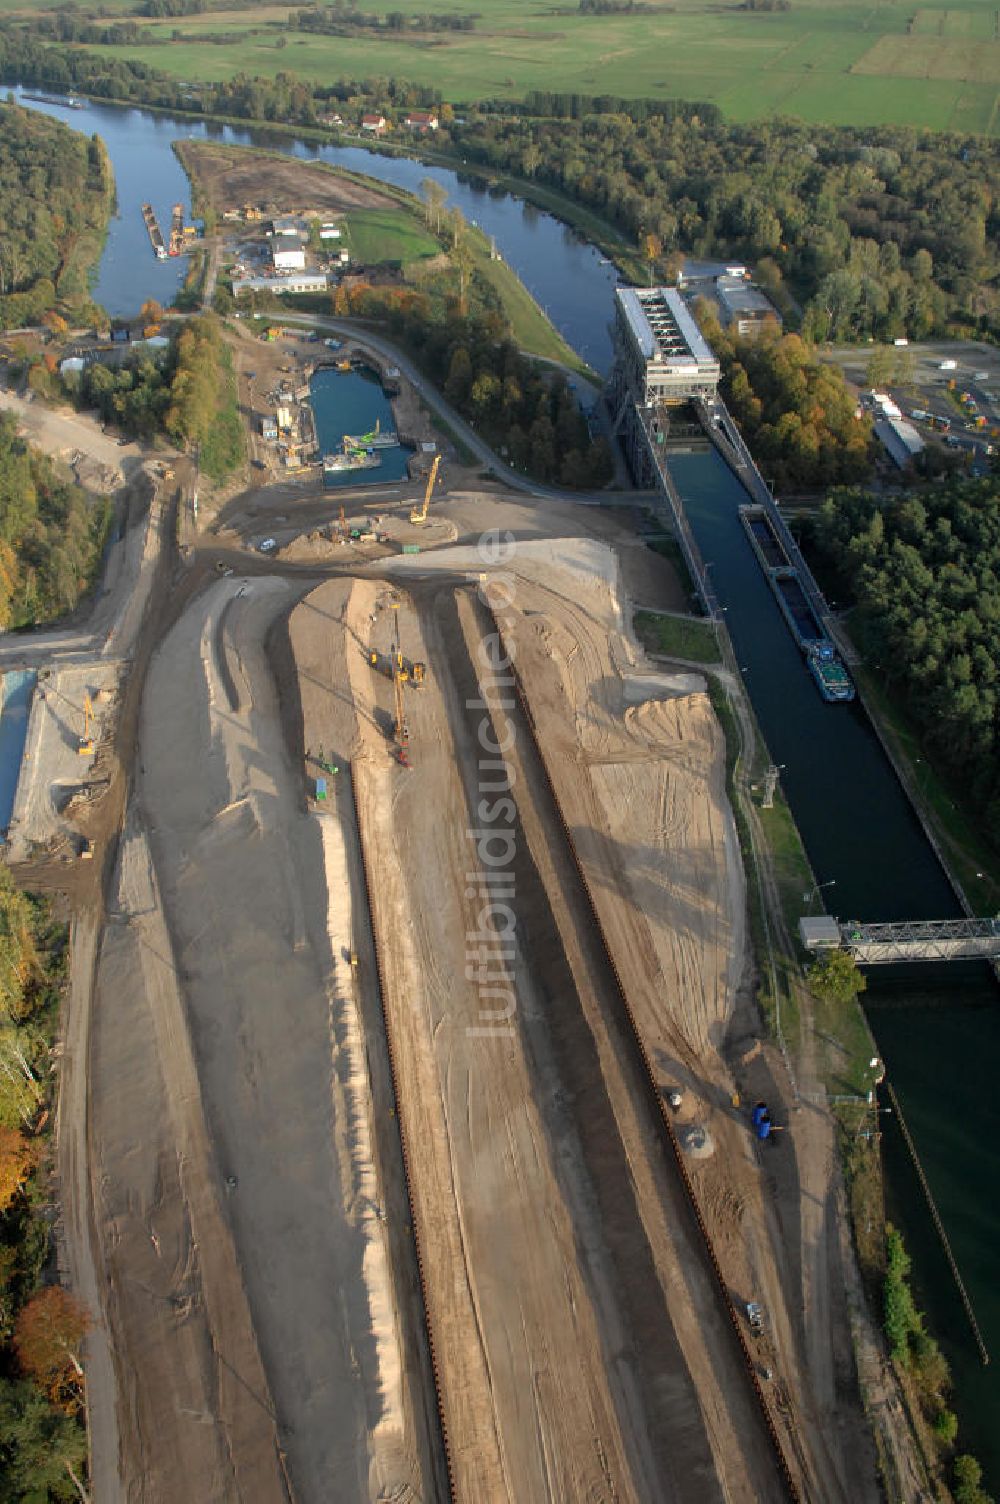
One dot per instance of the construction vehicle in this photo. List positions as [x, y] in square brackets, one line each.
[419, 514]
[401, 729]
[85, 746]
[405, 668]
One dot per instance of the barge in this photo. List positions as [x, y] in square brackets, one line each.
[154, 232]
[354, 459]
[822, 659]
[70, 102]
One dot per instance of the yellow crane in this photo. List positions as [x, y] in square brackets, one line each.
[85, 746]
[419, 514]
[401, 727]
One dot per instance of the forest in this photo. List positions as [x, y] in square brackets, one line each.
[187, 393]
[465, 346]
[43, 1442]
[888, 232]
[924, 570]
[795, 412]
[51, 535]
[56, 191]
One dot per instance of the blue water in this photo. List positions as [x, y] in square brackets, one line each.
[18, 686]
[352, 402]
[937, 1027]
[569, 277]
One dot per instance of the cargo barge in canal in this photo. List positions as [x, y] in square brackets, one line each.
[154, 232]
[822, 659]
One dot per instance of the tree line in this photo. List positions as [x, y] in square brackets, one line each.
[52, 535]
[43, 1442]
[187, 393]
[924, 570]
[920, 1357]
[55, 200]
[794, 410]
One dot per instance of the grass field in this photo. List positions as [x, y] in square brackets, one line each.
[379, 235]
[677, 637]
[841, 62]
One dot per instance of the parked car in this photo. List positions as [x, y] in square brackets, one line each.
[266, 545]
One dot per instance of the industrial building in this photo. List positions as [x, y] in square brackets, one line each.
[662, 352]
[743, 308]
[661, 360]
[287, 254]
[900, 440]
[296, 282]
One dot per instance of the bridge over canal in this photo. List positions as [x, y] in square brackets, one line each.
[905, 940]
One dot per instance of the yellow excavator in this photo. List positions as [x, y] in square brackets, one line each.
[419, 514]
[85, 746]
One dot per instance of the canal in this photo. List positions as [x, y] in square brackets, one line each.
[939, 1033]
[937, 1027]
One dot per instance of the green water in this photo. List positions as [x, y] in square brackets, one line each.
[352, 402]
[938, 1027]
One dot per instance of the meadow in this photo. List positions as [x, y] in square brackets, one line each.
[834, 63]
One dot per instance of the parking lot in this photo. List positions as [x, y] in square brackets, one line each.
[930, 383]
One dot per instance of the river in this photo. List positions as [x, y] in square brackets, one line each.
[938, 1031]
[568, 277]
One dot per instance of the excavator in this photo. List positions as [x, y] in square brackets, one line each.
[419, 514]
[85, 746]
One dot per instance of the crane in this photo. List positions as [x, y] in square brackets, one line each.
[85, 746]
[409, 672]
[402, 730]
[419, 514]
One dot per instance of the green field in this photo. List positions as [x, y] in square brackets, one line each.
[380, 235]
[846, 63]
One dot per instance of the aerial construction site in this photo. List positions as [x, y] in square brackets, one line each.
[412, 1037]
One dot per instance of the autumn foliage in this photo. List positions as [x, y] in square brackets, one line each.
[18, 1157]
[47, 1340]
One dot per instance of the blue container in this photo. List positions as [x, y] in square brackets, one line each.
[759, 1111]
[321, 788]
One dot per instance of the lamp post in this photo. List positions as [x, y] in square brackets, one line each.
[817, 888]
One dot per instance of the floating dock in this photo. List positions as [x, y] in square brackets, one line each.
[155, 233]
[177, 230]
[822, 659]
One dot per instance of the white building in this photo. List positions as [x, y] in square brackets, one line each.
[663, 354]
[294, 282]
[287, 254]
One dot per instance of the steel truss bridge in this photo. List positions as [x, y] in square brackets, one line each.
[922, 940]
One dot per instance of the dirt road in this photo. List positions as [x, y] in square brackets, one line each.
[67, 433]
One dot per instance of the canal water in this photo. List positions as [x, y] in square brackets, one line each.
[938, 1028]
[570, 278]
[16, 688]
[939, 1034]
[353, 402]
